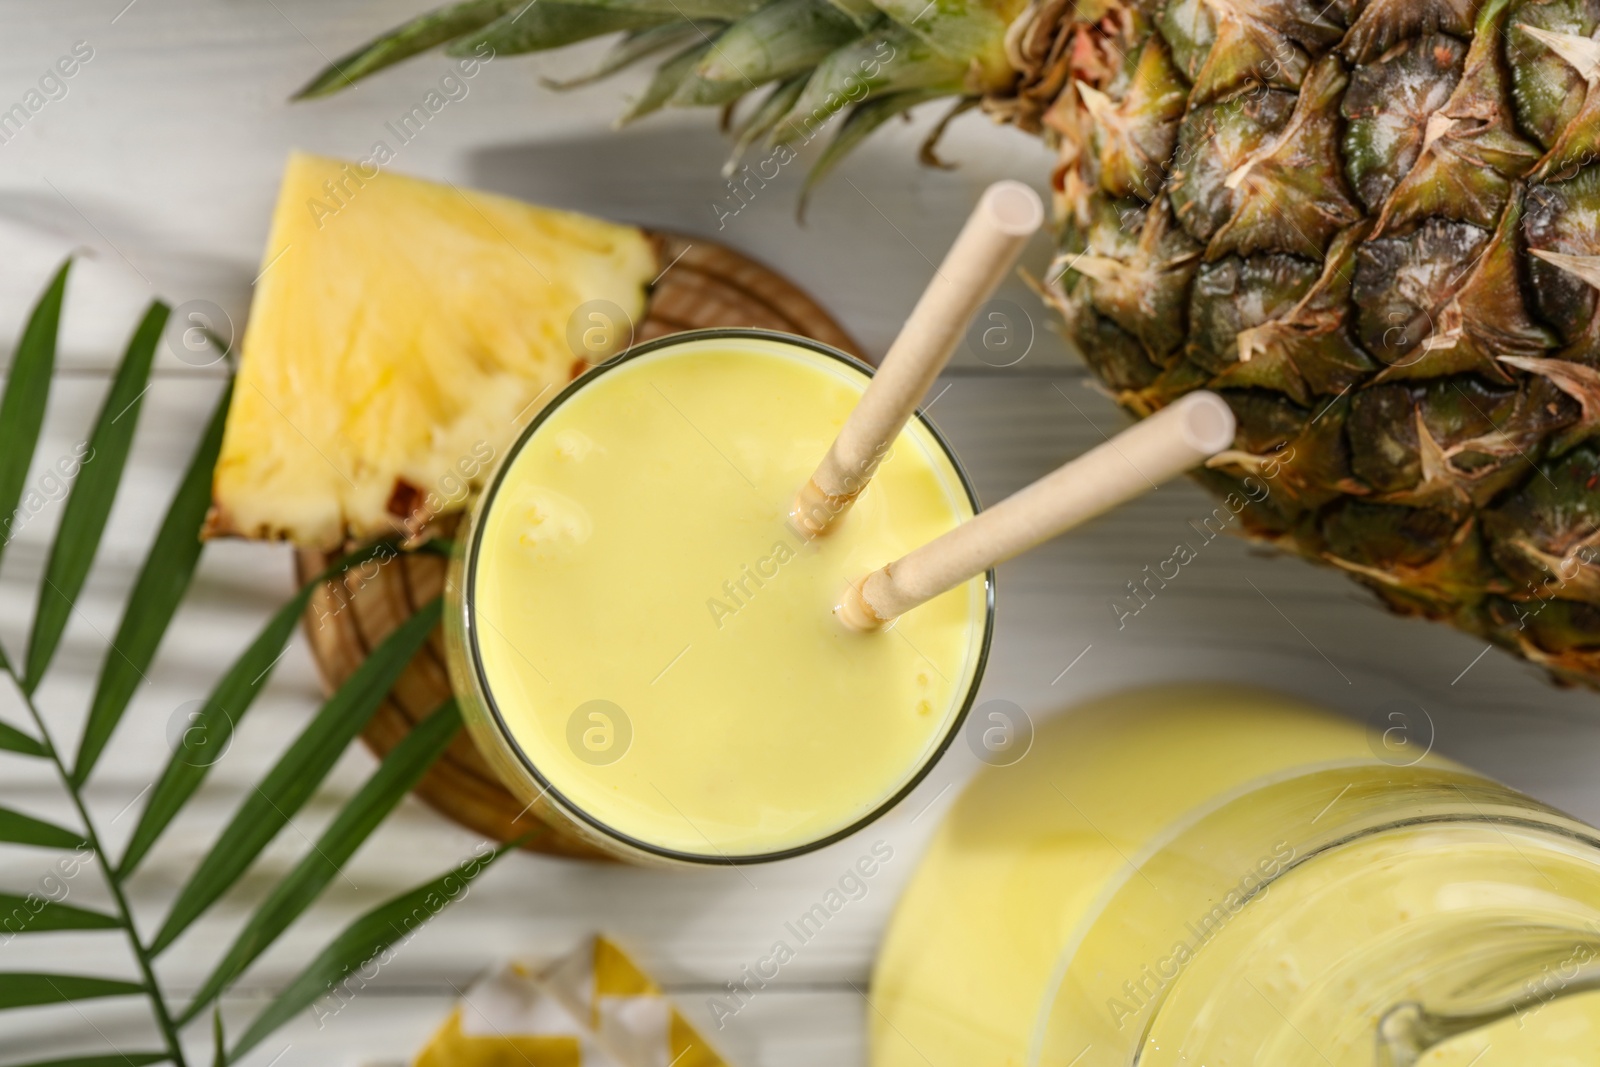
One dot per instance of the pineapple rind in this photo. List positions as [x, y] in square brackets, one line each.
[402, 332]
[1452, 372]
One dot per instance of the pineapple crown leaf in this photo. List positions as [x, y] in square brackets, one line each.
[148, 612]
[540, 26]
[634, 47]
[861, 122]
[764, 119]
[415, 37]
[823, 58]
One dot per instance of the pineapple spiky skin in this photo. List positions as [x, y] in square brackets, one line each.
[1379, 240]
[402, 332]
[1373, 226]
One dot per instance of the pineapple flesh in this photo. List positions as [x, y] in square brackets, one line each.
[1373, 226]
[401, 333]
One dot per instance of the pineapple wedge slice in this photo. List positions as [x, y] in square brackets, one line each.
[401, 333]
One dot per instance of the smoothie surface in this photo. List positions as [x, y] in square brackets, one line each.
[660, 643]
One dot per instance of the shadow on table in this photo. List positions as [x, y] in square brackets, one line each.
[665, 177]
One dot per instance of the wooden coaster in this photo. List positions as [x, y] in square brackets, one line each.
[705, 285]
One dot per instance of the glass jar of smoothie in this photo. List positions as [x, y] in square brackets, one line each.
[1222, 877]
[643, 642]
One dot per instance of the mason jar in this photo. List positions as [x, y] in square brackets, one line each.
[1220, 877]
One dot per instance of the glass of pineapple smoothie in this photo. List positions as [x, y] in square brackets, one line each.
[643, 641]
[1225, 877]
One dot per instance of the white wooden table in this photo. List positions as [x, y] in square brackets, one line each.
[161, 164]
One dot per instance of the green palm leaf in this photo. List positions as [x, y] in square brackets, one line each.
[164, 578]
[159, 588]
[27, 390]
[115, 1059]
[364, 940]
[27, 990]
[230, 699]
[54, 915]
[219, 1041]
[83, 520]
[401, 769]
[20, 829]
[232, 696]
[298, 772]
[14, 740]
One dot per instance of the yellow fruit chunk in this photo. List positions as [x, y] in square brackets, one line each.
[401, 334]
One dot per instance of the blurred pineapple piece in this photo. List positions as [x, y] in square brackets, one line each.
[401, 333]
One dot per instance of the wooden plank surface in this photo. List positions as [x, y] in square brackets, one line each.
[162, 159]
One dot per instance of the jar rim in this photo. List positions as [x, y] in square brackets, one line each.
[1217, 838]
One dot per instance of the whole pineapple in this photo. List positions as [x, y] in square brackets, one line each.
[1372, 225]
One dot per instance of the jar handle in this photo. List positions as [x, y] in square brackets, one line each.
[1408, 1030]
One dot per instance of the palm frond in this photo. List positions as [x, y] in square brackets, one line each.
[83, 520]
[19, 829]
[33, 917]
[14, 740]
[27, 393]
[163, 578]
[365, 940]
[116, 1059]
[401, 769]
[222, 711]
[155, 596]
[291, 781]
[31, 989]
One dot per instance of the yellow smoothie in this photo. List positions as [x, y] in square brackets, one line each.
[1221, 877]
[657, 641]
